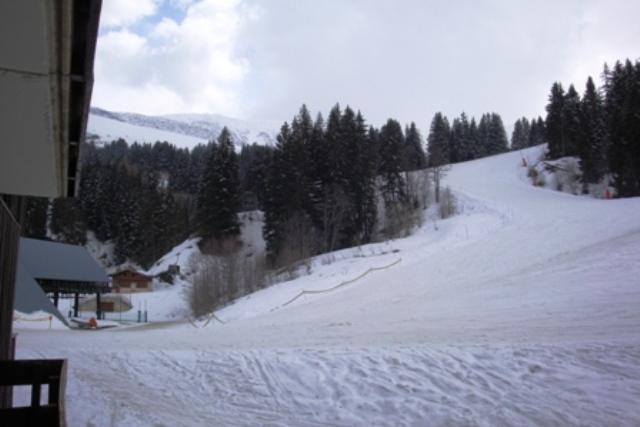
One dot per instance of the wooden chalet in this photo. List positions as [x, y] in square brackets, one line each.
[47, 51]
[129, 280]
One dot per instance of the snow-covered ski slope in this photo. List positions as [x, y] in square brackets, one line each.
[522, 310]
[181, 130]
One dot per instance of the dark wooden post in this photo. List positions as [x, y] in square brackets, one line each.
[56, 296]
[98, 306]
[35, 373]
[10, 213]
[76, 303]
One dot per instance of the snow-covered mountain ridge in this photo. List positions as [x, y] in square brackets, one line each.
[182, 130]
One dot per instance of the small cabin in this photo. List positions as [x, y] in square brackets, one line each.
[130, 281]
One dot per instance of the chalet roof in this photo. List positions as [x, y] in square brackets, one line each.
[30, 297]
[59, 261]
[128, 269]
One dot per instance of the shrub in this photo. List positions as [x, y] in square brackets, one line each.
[447, 203]
[221, 279]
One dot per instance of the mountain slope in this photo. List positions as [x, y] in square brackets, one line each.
[522, 310]
[182, 130]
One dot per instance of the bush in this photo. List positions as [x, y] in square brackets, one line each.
[447, 203]
[221, 279]
[400, 219]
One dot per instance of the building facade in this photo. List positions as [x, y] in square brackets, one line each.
[130, 281]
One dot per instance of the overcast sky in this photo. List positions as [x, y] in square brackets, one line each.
[404, 59]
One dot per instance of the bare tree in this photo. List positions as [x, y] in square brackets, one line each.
[299, 242]
[447, 204]
[438, 173]
[334, 211]
[221, 279]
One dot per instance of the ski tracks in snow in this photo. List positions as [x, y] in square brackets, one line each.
[451, 385]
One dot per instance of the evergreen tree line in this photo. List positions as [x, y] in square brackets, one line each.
[142, 197]
[330, 181]
[321, 186]
[325, 185]
[528, 133]
[465, 139]
[602, 127]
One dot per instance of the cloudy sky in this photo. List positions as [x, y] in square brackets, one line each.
[404, 59]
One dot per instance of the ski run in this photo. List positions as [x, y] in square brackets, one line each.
[523, 309]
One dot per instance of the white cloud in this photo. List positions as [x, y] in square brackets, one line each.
[123, 13]
[191, 65]
[182, 4]
[264, 58]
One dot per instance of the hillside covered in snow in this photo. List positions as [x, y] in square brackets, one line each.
[181, 130]
[521, 310]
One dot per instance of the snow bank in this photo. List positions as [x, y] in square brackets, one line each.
[563, 174]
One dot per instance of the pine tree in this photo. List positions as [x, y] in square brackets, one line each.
[288, 187]
[414, 157]
[318, 173]
[218, 198]
[484, 137]
[497, 141]
[438, 140]
[390, 144]
[520, 134]
[365, 199]
[67, 221]
[357, 181]
[555, 122]
[128, 233]
[456, 138]
[475, 149]
[571, 123]
[463, 134]
[623, 109]
[295, 152]
[536, 132]
[439, 137]
[347, 156]
[592, 147]
[274, 201]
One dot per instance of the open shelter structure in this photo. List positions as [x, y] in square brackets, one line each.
[61, 271]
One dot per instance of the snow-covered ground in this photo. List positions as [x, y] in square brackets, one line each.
[522, 310]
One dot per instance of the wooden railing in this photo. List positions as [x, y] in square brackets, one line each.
[35, 373]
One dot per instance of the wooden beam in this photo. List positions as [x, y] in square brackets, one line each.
[98, 306]
[35, 373]
[9, 239]
[71, 287]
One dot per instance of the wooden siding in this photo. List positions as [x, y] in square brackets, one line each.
[124, 281]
